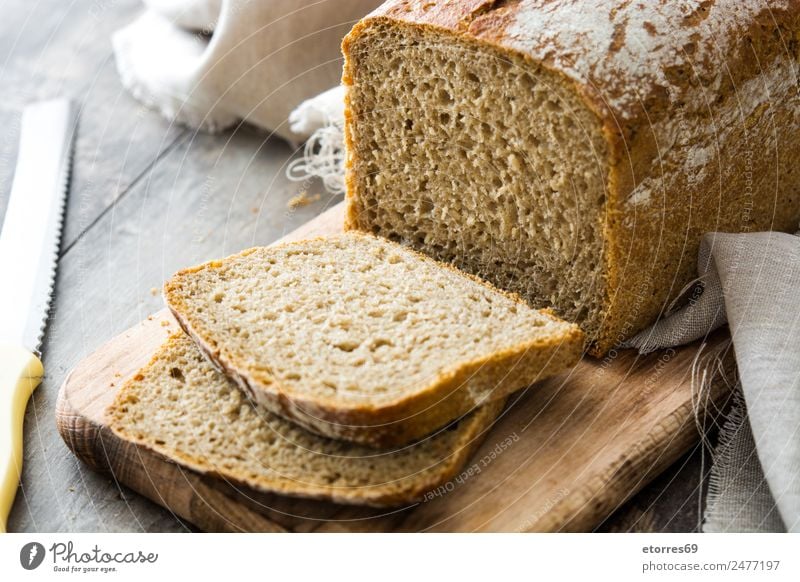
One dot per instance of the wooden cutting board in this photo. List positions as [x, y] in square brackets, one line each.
[583, 443]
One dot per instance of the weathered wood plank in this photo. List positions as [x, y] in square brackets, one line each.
[56, 48]
[59, 48]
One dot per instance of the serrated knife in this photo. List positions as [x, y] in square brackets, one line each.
[29, 244]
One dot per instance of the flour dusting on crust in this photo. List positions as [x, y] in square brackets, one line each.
[633, 50]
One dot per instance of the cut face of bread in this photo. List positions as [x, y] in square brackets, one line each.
[182, 408]
[479, 159]
[357, 338]
[573, 152]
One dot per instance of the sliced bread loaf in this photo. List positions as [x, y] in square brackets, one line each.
[182, 408]
[573, 152]
[358, 338]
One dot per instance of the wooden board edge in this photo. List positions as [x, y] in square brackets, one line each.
[586, 508]
[79, 433]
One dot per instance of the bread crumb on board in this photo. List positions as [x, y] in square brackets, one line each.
[154, 291]
[302, 199]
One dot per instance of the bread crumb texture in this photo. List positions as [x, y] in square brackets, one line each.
[302, 199]
[480, 160]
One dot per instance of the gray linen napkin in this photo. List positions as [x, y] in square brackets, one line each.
[752, 281]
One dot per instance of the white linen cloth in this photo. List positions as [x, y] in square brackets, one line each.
[209, 64]
[321, 118]
[753, 281]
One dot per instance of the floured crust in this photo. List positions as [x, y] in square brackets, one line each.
[471, 432]
[626, 56]
[455, 392]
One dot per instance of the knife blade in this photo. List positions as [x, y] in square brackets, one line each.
[29, 245]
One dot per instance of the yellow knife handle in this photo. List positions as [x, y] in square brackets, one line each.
[20, 374]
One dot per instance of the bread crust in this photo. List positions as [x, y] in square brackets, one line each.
[454, 393]
[640, 90]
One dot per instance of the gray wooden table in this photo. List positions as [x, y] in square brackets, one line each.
[146, 199]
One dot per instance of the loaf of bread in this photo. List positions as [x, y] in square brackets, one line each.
[574, 152]
[179, 406]
[357, 338]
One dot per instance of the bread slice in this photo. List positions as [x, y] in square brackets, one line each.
[179, 406]
[358, 338]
